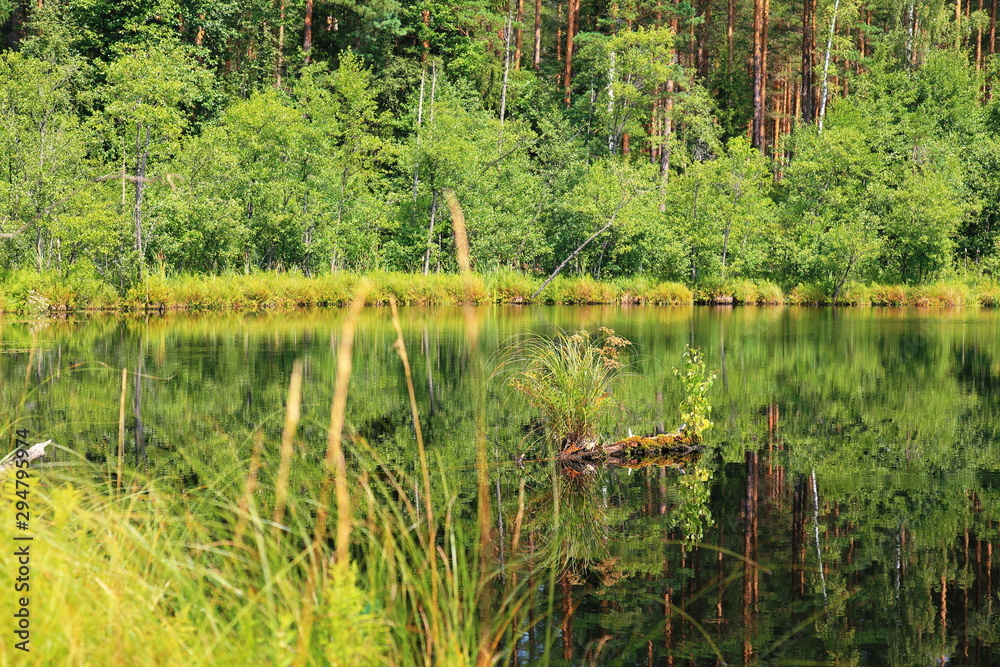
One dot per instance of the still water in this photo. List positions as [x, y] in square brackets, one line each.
[845, 509]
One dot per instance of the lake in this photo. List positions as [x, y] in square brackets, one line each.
[845, 508]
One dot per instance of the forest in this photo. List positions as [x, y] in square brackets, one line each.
[823, 142]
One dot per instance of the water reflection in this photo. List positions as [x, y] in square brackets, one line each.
[845, 510]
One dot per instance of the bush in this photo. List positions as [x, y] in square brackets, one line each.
[697, 380]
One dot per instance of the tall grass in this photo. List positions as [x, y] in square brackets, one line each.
[152, 576]
[988, 294]
[39, 293]
[739, 292]
[808, 295]
[569, 378]
[642, 290]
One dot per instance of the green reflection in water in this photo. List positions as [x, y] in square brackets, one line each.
[845, 509]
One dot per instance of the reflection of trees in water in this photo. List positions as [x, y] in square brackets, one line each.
[900, 574]
[896, 411]
[599, 541]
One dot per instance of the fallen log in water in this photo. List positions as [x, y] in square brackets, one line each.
[668, 448]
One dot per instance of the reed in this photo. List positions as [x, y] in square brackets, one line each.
[633, 290]
[889, 295]
[855, 294]
[150, 576]
[293, 412]
[513, 287]
[670, 294]
[943, 294]
[582, 290]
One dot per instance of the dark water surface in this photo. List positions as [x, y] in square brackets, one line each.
[845, 510]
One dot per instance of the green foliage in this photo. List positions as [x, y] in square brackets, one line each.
[207, 138]
[696, 380]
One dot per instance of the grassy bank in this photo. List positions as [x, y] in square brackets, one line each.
[32, 292]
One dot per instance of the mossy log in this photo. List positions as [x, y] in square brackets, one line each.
[670, 448]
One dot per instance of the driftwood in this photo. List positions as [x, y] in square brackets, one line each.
[36, 451]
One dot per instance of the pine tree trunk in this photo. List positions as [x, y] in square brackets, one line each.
[559, 31]
[958, 22]
[730, 30]
[519, 36]
[979, 42]
[572, 19]
[764, 54]
[993, 27]
[426, 15]
[702, 61]
[862, 39]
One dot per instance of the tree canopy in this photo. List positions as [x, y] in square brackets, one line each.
[823, 142]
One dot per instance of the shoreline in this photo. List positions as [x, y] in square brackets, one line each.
[278, 291]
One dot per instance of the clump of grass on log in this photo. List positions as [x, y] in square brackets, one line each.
[569, 377]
